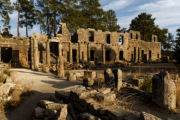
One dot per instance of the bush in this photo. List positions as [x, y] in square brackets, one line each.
[147, 85]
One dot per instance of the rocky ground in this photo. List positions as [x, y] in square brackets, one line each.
[42, 85]
[129, 103]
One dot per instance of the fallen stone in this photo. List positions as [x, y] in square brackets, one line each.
[104, 90]
[51, 105]
[90, 74]
[105, 97]
[63, 112]
[72, 77]
[109, 78]
[5, 89]
[88, 82]
[147, 116]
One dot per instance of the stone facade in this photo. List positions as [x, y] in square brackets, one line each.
[107, 47]
[94, 46]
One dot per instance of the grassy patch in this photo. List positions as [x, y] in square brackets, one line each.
[147, 85]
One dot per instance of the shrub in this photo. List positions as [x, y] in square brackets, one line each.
[147, 85]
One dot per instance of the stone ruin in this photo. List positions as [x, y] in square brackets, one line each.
[87, 45]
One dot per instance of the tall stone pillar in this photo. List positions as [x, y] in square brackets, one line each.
[48, 53]
[70, 53]
[164, 91]
[36, 55]
[60, 65]
[104, 54]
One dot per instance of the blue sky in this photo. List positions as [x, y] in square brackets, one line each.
[166, 12]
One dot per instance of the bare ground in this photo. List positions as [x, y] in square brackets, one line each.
[43, 86]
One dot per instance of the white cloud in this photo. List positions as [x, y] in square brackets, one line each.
[118, 4]
[166, 12]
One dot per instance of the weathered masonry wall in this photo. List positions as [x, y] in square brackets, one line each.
[14, 50]
[94, 46]
[107, 47]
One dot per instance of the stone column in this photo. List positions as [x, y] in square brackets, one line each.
[118, 78]
[104, 54]
[36, 55]
[48, 53]
[60, 65]
[164, 91]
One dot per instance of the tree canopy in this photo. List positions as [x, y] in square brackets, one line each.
[145, 23]
[5, 9]
[177, 46]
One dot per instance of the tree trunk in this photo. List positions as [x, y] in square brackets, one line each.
[26, 29]
[55, 24]
[18, 33]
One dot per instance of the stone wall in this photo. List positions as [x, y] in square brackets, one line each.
[16, 49]
[103, 47]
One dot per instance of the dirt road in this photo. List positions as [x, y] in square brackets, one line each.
[43, 86]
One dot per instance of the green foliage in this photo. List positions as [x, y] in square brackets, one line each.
[145, 24]
[147, 85]
[5, 9]
[112, 21]
[177, 46]
[28, 14]
[76, 14]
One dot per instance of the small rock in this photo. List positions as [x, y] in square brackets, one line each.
[104, 90]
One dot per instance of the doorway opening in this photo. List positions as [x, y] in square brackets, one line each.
[6, 54]
[121, 55]
[92, 57]
[74, 53]
[108, 55]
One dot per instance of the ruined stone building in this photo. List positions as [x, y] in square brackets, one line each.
[95, 46]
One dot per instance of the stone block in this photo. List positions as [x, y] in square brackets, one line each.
[88, 82]
[51, 105]
[147, 116]
[118, 78]
[164, 91]
[63, 112]
[109, 78]
[72, 77]
[90, 74]
[109, 97]
[104, 90]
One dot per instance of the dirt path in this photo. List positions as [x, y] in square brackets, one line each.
[43, 86]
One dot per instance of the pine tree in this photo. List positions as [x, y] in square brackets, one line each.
[5, 9]
[93, 15]
[28, 15]
[177, 46]
[112, 21]
[145, 24]
[49, 15]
